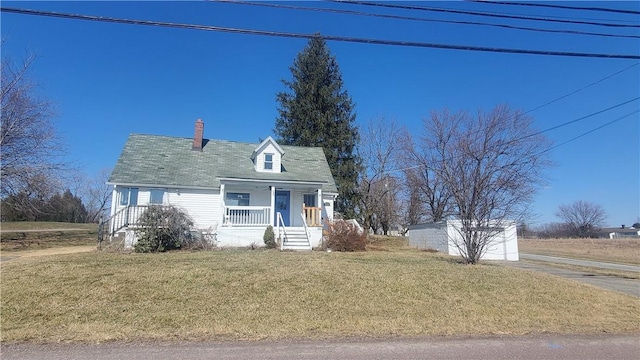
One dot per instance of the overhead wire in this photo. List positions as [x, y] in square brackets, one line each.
[310, 36]
[544, 131]
[582, 88]
[591, 131]
[479, 13]
[409, 18]
[619, 11]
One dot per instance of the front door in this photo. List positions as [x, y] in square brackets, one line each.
[282, 205]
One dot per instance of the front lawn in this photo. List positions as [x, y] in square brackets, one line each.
[242, 294]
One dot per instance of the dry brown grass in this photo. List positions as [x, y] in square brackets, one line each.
[43, 225]
[615, 251]
[31, 235]
[269, 294]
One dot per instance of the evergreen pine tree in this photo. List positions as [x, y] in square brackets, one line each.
[317, 111]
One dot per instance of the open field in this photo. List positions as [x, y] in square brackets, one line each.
[615, 251]
[43, 225]
[31, 235]
[242, 294]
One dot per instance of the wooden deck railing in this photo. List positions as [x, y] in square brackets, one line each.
[312, 215]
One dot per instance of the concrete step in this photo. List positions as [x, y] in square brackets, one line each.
[296, 246]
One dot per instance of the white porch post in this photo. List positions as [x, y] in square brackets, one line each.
[114, 200]
[320, 205]
[273, 207]
[114, 203]
[222, 205]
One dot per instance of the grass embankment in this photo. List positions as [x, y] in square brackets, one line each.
[242, 294]
[36, 235]
[614, 251]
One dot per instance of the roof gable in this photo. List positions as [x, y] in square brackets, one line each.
[263, 145]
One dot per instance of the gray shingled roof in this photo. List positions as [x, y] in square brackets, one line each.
[169, 161]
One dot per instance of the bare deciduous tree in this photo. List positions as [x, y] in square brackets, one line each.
[491, 164]
[29, 144]
[422, 180]
[95, 193]
[378, 189]
[583, 218]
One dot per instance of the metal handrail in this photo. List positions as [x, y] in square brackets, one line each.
[306, 230]
[280, 224]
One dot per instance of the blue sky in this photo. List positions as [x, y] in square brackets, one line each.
[109, 80]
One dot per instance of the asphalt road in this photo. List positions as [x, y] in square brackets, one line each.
[496, 348]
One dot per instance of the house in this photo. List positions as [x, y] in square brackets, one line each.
[622, 232]
[232, 190]
[444, 235]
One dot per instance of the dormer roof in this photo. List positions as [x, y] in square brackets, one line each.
[264, 144]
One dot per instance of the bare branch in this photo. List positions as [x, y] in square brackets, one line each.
[490, 167]
[29, 145]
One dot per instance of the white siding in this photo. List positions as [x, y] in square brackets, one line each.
[327, 207]
[240, 237]
[202, 205]
[442, 236]
[277, 158]
[257, 196]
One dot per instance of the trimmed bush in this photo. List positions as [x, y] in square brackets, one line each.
[344, 236]
[162, 228]
[269, 238]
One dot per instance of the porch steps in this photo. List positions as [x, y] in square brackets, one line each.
[296, 239]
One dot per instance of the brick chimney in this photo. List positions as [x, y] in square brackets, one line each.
[197, 137]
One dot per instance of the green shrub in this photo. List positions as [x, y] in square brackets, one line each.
[163, 228]
[269, 238]
[344, 236]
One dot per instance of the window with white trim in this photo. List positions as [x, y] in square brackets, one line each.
[128, 196]
[157, 196]
[268, 161]
[310, 200]
[237, 199]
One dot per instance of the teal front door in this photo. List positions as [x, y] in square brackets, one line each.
[282, 205]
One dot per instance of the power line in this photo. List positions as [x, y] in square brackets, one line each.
[582, 88]
[398, 17]
[579, 119]
[544, 131]
[478, 13]
[559, 6]
[309, 36]
[590, 131]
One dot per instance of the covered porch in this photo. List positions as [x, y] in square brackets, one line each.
[258, 203]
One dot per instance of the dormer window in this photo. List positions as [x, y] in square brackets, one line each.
[267, 157]
[268, 161]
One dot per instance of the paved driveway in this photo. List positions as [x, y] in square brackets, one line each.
[579, 262]
[615, 283]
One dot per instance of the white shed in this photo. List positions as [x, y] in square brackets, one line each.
[443, 235]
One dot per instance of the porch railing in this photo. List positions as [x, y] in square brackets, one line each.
[312, 215]
[247, 216]
[124, 218]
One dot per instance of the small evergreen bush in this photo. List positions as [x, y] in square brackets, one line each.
[343, 236]
[269, 238]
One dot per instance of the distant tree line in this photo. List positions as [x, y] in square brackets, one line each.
[64, 207]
